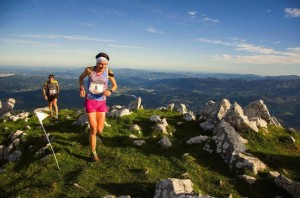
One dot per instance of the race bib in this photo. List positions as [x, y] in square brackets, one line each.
[52, 91]
[96, 88]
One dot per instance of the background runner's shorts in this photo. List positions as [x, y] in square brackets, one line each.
[95, 106]
[51, 97]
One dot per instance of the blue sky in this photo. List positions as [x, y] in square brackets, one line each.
[229, 36]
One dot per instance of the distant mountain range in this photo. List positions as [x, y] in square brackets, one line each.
[281, 93]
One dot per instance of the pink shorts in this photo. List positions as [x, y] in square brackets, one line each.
[95, 106]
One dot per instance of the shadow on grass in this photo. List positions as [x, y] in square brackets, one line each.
[81, 157]
[276, 161]
[135, 189]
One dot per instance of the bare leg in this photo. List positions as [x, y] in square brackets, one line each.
[55, 106]
[93, 130]
[50, 108]
[100, 122]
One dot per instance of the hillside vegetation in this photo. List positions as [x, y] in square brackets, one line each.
[281, 94]
[126, 169]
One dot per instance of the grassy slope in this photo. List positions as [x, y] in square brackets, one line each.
[129, 170]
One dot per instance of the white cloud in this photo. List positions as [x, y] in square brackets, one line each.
[192, 13]
[256, 54]
[67, 37]
[128, 46]
[269, 10]
[292, 12]
[210, 20]
[153, 30]
[25, 42]
[254, 49]
[204, 40]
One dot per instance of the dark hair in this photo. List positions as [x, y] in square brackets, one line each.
[51, 75]
[101, 54]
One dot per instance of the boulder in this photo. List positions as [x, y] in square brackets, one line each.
[135, 105]
[213, 112]
[7, 107]
[198, 139]
[173, 187]
[228, 141]
[235, 116]
[290, 186]
[258, 109]
[189, 116]
[165, 142]
[182, 109]
[248, 161]
[14, 156]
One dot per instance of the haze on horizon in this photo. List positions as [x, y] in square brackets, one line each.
[245, 37]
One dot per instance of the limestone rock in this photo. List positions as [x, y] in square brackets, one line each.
[290, 186]
[139, 142]
[198, 139]
[171, 106]
[189, 116]
[155, 118]
[227, 140]
[258, 109]
[14, 156]
[182, 109]
[165, 142]
[16, 134]
[213, 112]
[173, 187]
[7, 106]
[136, 104]
[162, 126]
[235, 116]
[245, 160]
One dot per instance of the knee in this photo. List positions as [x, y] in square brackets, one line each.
[93, 131]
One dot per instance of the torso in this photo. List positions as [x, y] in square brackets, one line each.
[97, 83]
[51, 87]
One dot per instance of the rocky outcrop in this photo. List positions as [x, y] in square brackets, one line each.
[135, 105]
[213, 113]
[189, 116]
[161, 124]
[176, 188]
[7, 106]
[118, 111]
[231, 146]
[228, 141]
[235, 116]
[290, 186]
[182, 109]
[255, 115]
[165, 143]
[258, 109]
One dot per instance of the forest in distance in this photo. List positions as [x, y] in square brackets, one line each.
[281, 94]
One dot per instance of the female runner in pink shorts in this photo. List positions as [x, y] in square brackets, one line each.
[95, 97]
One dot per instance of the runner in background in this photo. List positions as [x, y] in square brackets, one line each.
[51, 91]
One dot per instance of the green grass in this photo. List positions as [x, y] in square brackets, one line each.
[126, 169]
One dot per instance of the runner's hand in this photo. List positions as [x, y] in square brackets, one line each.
[107, 92]
[46, 98]
[82, 93]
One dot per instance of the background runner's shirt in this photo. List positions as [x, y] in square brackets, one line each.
[51, 88]
[97, 84]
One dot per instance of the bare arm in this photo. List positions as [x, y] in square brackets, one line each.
[44, 91]
[86, 72]
[113, 82]
[58, 88]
